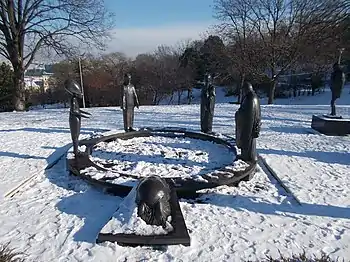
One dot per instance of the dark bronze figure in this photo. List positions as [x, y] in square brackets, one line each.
[75, 113]
[248, 122]
[337, 84]
[129, 100]
[207, 105]
[153, 200]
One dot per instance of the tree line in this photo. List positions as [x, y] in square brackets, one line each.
[255, 40]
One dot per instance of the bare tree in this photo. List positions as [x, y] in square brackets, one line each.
[236, 29]
[26, 26]
[185, 73]
[116, 64]
[283, 28]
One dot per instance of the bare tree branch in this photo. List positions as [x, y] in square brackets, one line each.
[26, 26]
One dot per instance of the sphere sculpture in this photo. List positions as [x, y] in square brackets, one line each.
[153, 200]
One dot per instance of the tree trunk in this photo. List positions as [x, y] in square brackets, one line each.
[155, 97]
[240, 87]
[272, 91]
[19, 94]
[189, 96]
[171, 98]
[179, 95]
[239, 96]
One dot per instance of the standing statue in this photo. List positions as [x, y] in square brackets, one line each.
[129, 100]
[248, 122]
[153, 200]
[337, 84]
[207, 105]
[75, 113]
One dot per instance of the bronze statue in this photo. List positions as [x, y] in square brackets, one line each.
[337, 84]
[152, 199]
[207, 105]
[129, 100]
[248, 122]
[75, 113]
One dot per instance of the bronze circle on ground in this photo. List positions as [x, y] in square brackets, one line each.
[185, 187]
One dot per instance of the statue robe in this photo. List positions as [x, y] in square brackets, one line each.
[337, 83]
[248, 121]
[207, 108]
[128, 102]
[75, 122]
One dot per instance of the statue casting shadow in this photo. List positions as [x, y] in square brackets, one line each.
[248, 124]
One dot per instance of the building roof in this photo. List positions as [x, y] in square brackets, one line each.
[37, 72]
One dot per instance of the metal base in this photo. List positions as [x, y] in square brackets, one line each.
[331, 125]
[332, 117]
[185, 187]
[179, 235]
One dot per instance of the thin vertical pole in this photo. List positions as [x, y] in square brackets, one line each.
[81, 82]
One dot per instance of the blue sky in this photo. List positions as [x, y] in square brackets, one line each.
[146, 13]
[142, 25]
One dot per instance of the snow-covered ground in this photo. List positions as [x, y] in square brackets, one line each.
[157, 155]
[57, 217]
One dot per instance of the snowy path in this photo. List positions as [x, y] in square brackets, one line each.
[56, 217]
[300, 158]
[25, 148]
[30, 141]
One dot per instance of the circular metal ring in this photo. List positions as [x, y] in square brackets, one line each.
[186, 187]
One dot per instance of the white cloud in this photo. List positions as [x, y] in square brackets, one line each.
[133, 41]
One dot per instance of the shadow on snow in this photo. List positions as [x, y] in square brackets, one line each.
[326, 157]
[96, 208]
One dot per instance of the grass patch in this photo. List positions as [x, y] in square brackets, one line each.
[8, 254]
[301, 258]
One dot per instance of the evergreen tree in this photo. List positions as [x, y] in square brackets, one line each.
[6, 86]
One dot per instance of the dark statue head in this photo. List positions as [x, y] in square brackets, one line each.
[208, 79]
[127, 79]
[152, 199]
[247, 87]
[73, 88]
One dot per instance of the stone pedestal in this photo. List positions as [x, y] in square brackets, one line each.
[331, 125]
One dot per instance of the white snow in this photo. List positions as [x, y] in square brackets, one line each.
[49, 106]
[57, 217]
[159, 155]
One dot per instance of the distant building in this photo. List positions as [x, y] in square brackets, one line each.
[38, 76]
